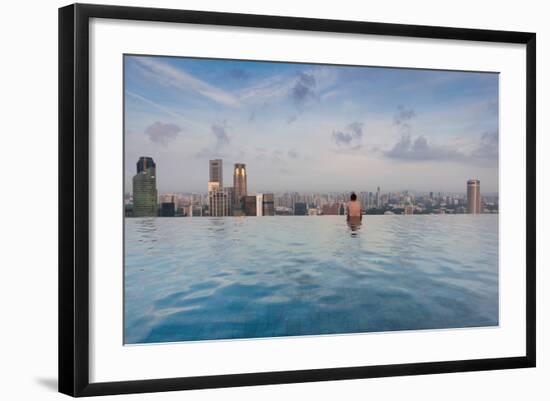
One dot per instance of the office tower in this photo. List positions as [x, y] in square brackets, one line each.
[259, 204]
[473, 195]
[216, 171]
[230, 200]
[144, 163]
[218, 202]
[378, 200]
[269, 205]
[300, 209]
[249, 205]
[144, 186]
[167, 209]
[239, 184]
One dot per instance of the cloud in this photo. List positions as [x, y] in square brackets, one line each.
[154, 104]
[266, 90]
[403, 117]
[303, 89]
[421, 150]
[169, 75]
[162, 133]
[277, 156]
[220, 134]
[484, 151]
[487, 147]
[293, 154]
[221, 142]
[288, 86]
[351, 137]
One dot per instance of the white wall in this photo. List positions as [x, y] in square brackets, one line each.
[28, 200]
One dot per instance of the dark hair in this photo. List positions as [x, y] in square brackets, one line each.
[353, 196]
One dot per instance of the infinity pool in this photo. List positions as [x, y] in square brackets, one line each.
[227, 278]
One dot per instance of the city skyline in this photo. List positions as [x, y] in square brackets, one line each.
[312, 128]
[226, 201]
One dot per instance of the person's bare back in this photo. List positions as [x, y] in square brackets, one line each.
[354, 207]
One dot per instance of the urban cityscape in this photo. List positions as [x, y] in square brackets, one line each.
[221, 201]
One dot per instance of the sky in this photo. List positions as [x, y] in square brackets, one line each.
[310, 127]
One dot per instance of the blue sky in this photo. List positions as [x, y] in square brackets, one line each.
[311, 128]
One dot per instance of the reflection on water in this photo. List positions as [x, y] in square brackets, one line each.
[354, 224]
[221, 278]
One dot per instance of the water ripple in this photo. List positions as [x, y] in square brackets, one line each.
[223, 278]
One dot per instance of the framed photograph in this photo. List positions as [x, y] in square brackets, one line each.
[250, 199]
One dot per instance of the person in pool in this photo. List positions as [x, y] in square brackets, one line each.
[354, 214]
[353, 208]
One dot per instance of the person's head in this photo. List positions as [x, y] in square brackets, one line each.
[353, 197]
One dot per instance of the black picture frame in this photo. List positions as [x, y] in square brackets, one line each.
[74, 202]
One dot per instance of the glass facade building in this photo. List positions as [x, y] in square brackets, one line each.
[144, 187]
[239, 184]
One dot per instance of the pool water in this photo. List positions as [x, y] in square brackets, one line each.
[227, 278]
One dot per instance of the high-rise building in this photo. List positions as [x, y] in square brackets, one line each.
[230, 200]
[145, 163]
[300, 209]
[378, 200]
[239, 184]
[259, 204]
[249, 205]
[167, 209]
[218, 200]
[473, 195]
[144, 186]
[269, 205]
[216, 171]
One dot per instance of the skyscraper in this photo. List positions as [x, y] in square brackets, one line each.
[144, 186]
[167, 209]
[218, 200]
[249, 203]
[300, 209]
[259, 204]
[239, 184]
[230, 200]
[378, 200]
[269, 205]
[216, 171]
[473, 196]
[144, 163]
